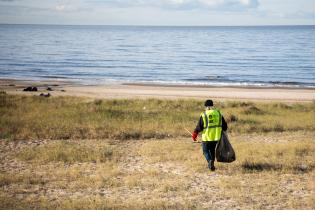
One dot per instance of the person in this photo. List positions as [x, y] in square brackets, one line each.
[210, 124]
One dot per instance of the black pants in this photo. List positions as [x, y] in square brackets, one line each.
[208, 148]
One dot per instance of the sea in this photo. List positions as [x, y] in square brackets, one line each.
[262, 56]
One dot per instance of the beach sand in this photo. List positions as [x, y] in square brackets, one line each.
[134, 90]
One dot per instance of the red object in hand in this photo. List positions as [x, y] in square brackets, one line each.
[194, 136]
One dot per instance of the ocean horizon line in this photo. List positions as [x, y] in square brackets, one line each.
[166, 26]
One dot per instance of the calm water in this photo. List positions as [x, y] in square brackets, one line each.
[262, 56]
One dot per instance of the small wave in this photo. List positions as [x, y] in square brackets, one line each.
[54, 77]
[220, 80]
[227, 84]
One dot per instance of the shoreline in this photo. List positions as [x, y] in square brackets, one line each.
[19, 82]
[153, 90]
[57, 82]
[148, 84]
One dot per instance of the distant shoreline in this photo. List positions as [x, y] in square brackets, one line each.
[153, 84]
[144, 91]
[217, 86]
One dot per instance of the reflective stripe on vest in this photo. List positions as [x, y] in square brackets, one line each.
[212, 121]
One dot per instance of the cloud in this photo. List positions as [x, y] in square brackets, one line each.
[175, 5]
[295, 15]
[185, 4]
[60, 7]
[45, 10]
[68, 8]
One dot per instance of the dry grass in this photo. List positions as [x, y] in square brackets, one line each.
[97, 203]
[68, 152]
[25, 117]
[288, 157]
[160, 174]
[274, 144]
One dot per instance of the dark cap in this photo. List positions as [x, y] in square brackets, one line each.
[208, 103]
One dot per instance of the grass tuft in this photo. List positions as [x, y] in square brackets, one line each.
[68, 152]
[231, 118]
[259, 166]
[300, 168]
[253, 110]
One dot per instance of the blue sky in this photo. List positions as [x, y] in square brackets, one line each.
[159, 12]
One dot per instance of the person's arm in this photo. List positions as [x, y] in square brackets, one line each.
[198, 129]
[199, 126]
[224, 124]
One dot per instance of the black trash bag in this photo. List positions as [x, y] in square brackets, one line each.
[224, 151]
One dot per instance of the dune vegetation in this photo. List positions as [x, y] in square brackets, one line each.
[25, 117]
[78, 153]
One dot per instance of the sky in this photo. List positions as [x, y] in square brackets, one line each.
[159, 12]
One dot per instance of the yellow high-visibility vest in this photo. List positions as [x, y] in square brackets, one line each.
[212, 125]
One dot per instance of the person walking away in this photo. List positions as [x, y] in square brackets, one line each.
[210, 124]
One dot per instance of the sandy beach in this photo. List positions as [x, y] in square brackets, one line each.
[136, 90]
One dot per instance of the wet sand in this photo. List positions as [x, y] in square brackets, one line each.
[134, 90]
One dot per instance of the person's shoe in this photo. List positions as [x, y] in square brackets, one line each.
[211, 165]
